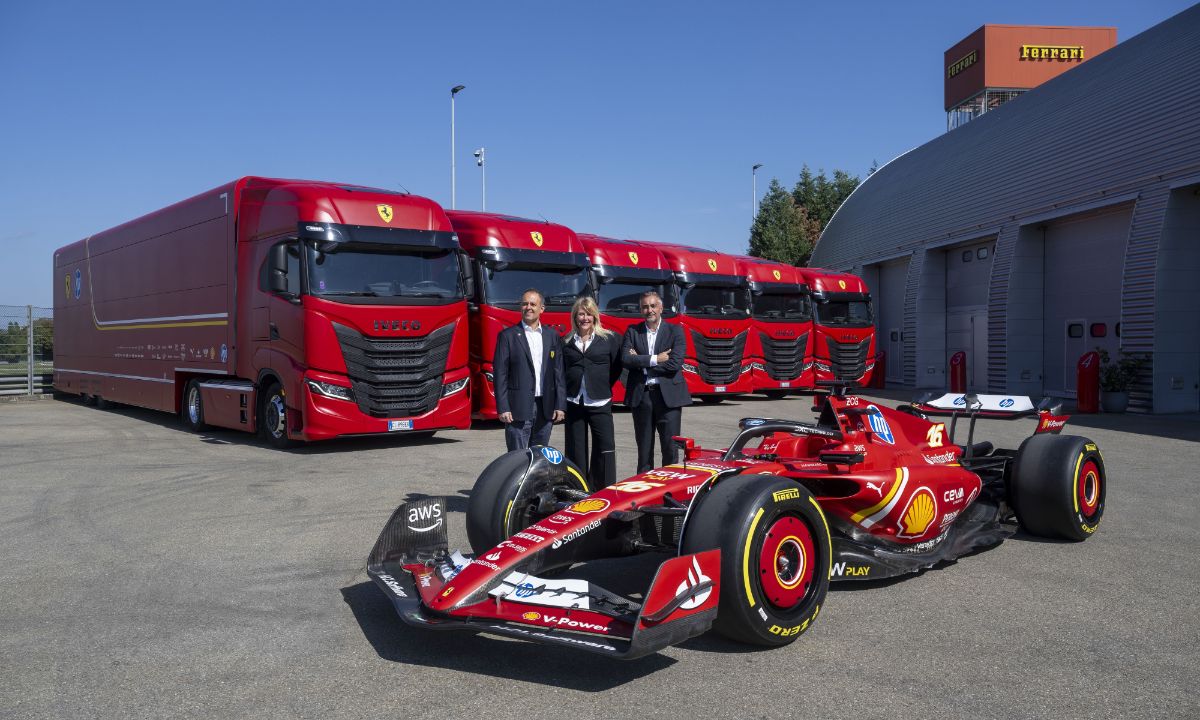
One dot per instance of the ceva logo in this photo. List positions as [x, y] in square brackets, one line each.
[554, 456]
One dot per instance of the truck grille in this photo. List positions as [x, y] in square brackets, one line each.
[720, 359]
[848, 361]
[396, 377]
[783, 358]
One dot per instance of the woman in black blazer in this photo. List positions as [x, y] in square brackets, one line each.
[591, 364]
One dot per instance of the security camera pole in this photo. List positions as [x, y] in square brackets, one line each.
[480, 160]
[453, 91]
[754, 192]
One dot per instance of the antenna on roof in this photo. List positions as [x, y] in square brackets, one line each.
[406, 192]
[543, 217]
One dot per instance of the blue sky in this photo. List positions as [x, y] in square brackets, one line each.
[630, 119]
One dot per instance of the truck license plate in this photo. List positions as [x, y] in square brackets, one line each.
[785, 384]
[399, 425]
[719, 388]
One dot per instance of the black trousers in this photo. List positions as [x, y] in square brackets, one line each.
[652, 415]
[601, 467]
[520, 434]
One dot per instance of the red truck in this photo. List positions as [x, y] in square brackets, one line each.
[780, 343]
[302, 310]
[714, 310]
[621, 271]
[843, 327]
[510, 255]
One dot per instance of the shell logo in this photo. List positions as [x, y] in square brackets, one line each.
[385, 212]
[919, 514]
[712, 264]
[591, 505]
[842, 284]
[633, 258]
[537, 237]
[531, 616]
[776, 274]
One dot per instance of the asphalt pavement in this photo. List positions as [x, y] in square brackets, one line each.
[153, 573]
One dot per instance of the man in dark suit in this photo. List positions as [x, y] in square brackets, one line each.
[653, 352]
[528, 374]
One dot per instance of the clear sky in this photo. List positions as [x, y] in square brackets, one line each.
[630, 119]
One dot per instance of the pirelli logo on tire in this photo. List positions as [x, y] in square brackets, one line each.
[789, 494]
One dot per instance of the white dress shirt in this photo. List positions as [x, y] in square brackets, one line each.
[534, 337]
[582, 397]
[651, 337]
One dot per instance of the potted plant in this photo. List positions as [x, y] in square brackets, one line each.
[1116, 378]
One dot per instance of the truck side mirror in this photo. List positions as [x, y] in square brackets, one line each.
[468, 275]
[277, 280]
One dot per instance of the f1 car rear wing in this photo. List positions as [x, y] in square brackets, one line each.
[1001, 407]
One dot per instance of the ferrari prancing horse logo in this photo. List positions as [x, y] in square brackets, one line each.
[537, 237]
[712, 264]
[776, 274]
[385, 212]
[633, 258]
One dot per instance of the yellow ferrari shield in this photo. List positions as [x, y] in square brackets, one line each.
[842, 284]
[537, 238]
[385, 212]
[776, 274]
[712, 264]
[633, 258]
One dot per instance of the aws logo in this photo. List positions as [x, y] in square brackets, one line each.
[385, 212]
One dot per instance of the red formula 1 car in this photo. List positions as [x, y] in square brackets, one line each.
[757, 530]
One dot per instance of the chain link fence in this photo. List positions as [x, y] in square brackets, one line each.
[26, 349]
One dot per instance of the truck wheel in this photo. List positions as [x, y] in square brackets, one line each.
[193, 410]
[1058, 485]
[775, 556]
[507, 495]
[272, 417]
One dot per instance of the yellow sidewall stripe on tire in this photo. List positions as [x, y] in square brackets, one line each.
[507, 512]
[1075, 489]
[578, 477]
[746, 557]
[828, 536]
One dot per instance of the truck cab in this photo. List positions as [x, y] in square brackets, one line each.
[621, 271]
[714, 311]
[780, 342]
[843, 327]
[508, 256]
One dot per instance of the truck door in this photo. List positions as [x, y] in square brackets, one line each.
[285, 326]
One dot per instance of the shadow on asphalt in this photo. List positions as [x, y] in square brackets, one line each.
[487, 655]
[222, 436]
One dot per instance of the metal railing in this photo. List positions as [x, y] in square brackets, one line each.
[26, 349]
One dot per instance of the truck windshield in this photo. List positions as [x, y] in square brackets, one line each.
[560, 287]
[355, 271]
[622, 299]
[716, 301]
[780, 307]
[841, 313]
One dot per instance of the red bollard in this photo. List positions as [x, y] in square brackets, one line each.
[1087, 383]
[958, 372]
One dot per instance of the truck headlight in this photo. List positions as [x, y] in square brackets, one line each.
[747, 368]
[329, 390]
[453, 387]
[758, 366]
[489, 377]
[691, 369]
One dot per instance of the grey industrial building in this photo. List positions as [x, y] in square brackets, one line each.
[1065, 220]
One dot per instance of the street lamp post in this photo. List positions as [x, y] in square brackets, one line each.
[453, 91]
[754, 192]
[480, 160]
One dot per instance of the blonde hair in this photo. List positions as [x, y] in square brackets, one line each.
[589, 306]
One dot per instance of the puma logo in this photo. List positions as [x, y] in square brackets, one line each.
[876, 488]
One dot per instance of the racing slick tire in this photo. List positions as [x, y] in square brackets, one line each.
[192, 411]
[272, 417]
[502, 503]
[775, 556]
[1058, 486]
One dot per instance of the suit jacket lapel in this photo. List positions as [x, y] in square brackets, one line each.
[524, 342]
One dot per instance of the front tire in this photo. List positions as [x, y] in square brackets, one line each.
[1058, 485]
[272, 417]
[775, 556]
[503, 502]
[192, 411]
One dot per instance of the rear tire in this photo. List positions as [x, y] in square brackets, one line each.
[192, 411]
[272, 417]
[775, 556]
[501, 504]
[1058, 485]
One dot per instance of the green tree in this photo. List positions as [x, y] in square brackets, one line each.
[782, 230]
[820, 196]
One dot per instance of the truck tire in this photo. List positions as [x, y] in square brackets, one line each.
[505, 497]
[775, 556]
[1057, 486]
[272, 417]
[192, 410]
